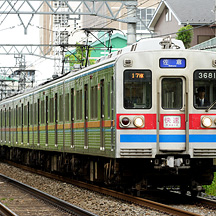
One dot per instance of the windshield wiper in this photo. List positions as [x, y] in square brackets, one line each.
[210, 106]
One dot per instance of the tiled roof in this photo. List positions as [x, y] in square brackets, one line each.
[193, 11]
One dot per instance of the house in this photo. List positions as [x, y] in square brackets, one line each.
[171, 15]
[98, 49]
[118, 41]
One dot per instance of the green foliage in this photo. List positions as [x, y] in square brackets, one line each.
[186, 35]
[211, 189]
[79, 56]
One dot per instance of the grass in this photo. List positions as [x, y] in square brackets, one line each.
[211, 189]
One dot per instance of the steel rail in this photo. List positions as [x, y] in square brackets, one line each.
[128, 198]
[202, 200]
[68, 207]
[5, 211]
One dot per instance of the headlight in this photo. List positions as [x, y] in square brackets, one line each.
[139, 122]
[125, 122]
[206, 122]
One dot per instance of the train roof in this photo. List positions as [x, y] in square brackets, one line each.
[147, 45]
[142, 45]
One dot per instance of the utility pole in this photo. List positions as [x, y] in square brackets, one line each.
[131, 25]
[215, 15]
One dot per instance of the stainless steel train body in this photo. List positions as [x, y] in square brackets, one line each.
[131, 119]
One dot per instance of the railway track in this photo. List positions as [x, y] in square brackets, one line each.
[128, 198]
[5, 211]
[28, 201]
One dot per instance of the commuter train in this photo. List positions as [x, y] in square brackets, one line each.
[131, 120]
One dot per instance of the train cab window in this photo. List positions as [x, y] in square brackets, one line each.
[137, 89]
[172, 93]
[204, 89]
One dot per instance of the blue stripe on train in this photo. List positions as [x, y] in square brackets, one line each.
[167, 138]
[172, 138]
[138, 138]
[202, 138]
[151, 138]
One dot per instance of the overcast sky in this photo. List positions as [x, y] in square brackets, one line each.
[12, 32]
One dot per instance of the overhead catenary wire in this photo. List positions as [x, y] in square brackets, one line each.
[123, 15]
[12, 6]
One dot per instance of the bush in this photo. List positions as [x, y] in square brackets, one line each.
[185, 34]
[211, 189]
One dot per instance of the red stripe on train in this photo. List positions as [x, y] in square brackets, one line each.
[150, 121]
[195, 121]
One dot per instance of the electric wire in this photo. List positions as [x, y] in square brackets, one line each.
[123, 15]
[12, 6]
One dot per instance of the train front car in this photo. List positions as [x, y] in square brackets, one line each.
[164, 136]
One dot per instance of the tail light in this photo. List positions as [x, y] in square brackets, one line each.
[125, 122]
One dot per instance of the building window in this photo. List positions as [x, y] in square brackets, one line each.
[168, 15]
[60, 4]
[64, 37]
[145, 14]
[61, 19]
[203, 38]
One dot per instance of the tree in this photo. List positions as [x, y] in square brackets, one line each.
[185, 34]
[78, 56]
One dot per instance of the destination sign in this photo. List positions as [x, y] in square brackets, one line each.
[172, 63]
[137, 75]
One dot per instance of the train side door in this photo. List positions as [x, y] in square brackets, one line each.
[171, 115]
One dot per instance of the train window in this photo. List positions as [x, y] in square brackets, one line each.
[204, 88]
[5, 118]
[56, 112]
[72, 104]
[9, 123]
[172, 93]
[42, 112]
[93, 112]
[31, 115]
[35, 113]
[38, 114]
[20, 116]
[79, 105]
[51, 110]
[1, 119]
[108, 99]
[25, 115]
[137, 89]
[61, 108]
[67, 107]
